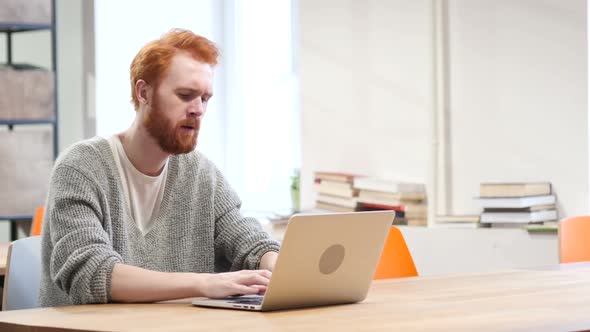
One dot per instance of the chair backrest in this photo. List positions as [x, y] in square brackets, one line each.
[37, 221]
[396, 260]
[574, 239]
[23, 274]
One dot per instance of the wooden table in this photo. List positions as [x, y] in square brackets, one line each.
[545, 299]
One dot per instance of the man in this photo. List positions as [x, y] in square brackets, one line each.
[141, 217]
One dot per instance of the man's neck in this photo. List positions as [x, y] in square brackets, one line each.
[142, 150]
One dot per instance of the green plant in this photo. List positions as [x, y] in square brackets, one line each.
[295, 179]
[295, 182]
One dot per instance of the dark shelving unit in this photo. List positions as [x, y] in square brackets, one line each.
[9, 29]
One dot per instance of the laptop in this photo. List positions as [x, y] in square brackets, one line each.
[324, 259]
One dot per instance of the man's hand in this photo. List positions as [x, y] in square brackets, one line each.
[245, 282]
[134, 284]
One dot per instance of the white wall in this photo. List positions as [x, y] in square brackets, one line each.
[261, 124]
[517, 108]
[519, 97]
[365, 88]
[439, 251]
[71, 102]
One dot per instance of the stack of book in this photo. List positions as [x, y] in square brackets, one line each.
[407, 199]
[335, 191]
[518, 205]
[279, 221]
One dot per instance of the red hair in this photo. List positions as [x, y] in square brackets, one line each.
[152, 61]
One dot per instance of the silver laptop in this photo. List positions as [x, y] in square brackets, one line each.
[324, 259]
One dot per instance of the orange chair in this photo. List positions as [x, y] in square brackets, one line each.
[396, 260]
[574, 239]
[37, 221]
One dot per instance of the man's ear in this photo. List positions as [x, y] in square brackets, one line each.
[143, 92]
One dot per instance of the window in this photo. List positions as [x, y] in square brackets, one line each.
[262, 119]
[251, 130]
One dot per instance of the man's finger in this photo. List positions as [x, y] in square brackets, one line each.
[245, 290]
[261, 289]
[255, 279]
[265, 273]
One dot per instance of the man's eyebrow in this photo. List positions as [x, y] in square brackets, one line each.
[187, 89]
[205, 92]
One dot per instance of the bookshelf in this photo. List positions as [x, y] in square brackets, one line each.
[10, 26]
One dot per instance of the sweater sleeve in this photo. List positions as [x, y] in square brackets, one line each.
[240, 240]
[82, 257]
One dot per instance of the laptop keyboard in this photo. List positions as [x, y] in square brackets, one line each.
[254, 300]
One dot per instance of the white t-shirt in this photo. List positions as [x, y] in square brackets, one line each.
[143, 193]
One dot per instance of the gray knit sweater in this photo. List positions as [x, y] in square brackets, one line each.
[88, 229]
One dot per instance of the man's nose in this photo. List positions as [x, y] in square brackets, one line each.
[196, 108]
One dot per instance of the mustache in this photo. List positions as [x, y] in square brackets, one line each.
[190, 122]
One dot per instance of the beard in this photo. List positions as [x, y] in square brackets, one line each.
[173, 139]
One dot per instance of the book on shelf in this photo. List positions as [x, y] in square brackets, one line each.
[281, 217]
[417, 222]
[415, 211]
[333, 208]
[535, 226]
[399, 211]
[335, 200]
[382, 202]
[410, 210]
[278, 220]
[408, 222]
[460, 225]
[386, 185]
[554, 223]
[548, 226]
[392, 196]
[279, 227]
[378, 207]
[514, 189]
[457, 218]
[518, 217]
[516, 202]
[399, 222]
[335, 176]
[333, 184]
[524, 209]
[408, 207]
[511, 225]
[327, 187]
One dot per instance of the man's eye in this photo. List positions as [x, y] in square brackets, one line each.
[185, 97]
